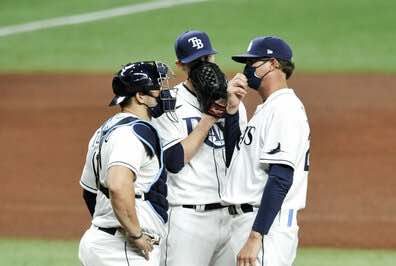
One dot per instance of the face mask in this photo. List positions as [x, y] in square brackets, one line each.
[157, 111]
[165, 103]
[253, 81]
[250, 73]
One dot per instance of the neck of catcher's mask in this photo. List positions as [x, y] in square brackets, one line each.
[167, 93]
[166, 103]
[167, 99]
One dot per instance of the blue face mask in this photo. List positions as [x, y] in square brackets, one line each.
[253, 81]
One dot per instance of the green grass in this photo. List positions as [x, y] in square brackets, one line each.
[23, 11]
[346, 257]
[38, 253]
[64, 253]
[337, 35]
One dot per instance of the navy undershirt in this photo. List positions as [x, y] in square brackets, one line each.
[232, 133]
[90, 201]
[280, 179]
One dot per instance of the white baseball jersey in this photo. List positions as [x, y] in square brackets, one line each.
[201, 180]
[278, 133]
[122, 147]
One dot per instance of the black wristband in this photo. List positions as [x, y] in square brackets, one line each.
[136, 237]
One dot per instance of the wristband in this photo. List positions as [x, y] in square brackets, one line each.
[136, 237]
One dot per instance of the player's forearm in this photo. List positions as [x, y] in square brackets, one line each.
[122, 197]
[123, 202]
[193, 142]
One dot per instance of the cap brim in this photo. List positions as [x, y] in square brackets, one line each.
[197, 55]
[117, 100]
[242, 58]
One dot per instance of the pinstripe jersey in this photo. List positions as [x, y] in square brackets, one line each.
[202, 178]
[278, 133]
[122, 148]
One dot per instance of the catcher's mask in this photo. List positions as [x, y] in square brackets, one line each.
[143, 77]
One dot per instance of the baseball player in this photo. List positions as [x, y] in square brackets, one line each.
[199, 225]
[267, 177]
[123, 179]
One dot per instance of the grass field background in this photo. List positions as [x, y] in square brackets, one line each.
[64, 253]
[337, 36]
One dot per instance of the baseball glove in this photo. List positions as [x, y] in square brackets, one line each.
[210, 86]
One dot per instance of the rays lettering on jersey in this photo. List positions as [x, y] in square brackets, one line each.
[215, 137]
[247, 136]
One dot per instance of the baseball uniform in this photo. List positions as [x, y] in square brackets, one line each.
[124, 144]
[199, 226]
[278, 133]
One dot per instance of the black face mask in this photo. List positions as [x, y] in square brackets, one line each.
[165, 103]
[253, 81]
[157, 110]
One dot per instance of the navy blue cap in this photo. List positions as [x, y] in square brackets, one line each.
[266, 47]
[191, 45]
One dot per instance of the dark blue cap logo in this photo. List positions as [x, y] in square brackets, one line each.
[192, 45]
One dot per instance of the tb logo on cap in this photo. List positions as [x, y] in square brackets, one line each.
[196, 42]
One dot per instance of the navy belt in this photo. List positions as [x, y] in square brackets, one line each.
[205, 207]
[111, 230]
[140, 196]
[232, 209]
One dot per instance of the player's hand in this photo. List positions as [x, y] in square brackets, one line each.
[249, 252]
[144, 243]
[236, 91]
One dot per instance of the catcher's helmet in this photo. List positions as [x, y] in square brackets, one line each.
[138, 77]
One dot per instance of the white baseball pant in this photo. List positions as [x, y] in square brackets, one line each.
[198, 238]
[98, 248]
[279, 246]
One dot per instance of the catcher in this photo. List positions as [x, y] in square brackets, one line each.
[199, 224]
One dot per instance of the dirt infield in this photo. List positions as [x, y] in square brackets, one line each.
[46, 121]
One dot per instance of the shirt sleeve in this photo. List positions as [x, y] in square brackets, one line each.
[88, 179]
[282, 138]
[125, 149]
[170, 132]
